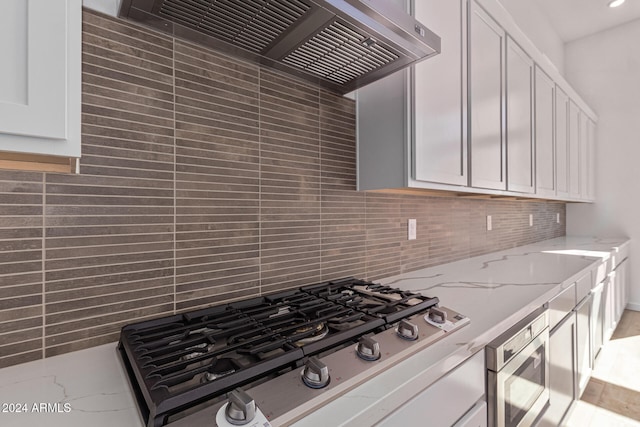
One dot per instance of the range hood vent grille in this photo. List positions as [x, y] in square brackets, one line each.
[251, 24]
[338, 44]
[340, 54]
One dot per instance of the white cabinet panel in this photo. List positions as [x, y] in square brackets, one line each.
[583, 344]
[574, 150]
[486, 91]
[545, 144]
[561, 372]
[562, 143]
[519, 98]
[440, 142]
[622, 292]
[591, 160]
[561, 305]
[609, 307]
[583, 155]
[40, 95]
[476, 417]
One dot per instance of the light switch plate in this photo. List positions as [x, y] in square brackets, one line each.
[558, 218]
[530, 220]
[412, 229]
[489, 224]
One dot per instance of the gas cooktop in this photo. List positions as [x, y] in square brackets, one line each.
[181, 367]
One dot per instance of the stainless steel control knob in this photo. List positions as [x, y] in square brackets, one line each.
[408, 330]
[368, 349]
[437, 316]
[315, 373]
[241, 409]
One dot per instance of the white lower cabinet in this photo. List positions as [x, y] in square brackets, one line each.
[583, 344]
[561, 371]
[583, 330]
[622, 291]
[476, 417]
[614, 299]
[446, 402]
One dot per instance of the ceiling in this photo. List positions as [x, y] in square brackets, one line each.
[574, 19]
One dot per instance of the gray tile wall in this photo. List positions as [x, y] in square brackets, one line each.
[205, 179]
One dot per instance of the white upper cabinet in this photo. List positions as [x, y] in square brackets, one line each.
[485, 116]
[40, 82]
[486, 91]
[574, 151]
[591, 160]
[562, 143]
[439, 99]
[520, 150]
[583, 155]
[544, 124]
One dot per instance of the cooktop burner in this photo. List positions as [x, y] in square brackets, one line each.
[183, 360]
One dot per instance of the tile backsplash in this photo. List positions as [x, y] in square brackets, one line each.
[206, 179]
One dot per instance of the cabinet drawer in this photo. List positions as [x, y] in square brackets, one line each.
[583, 287]
[619, 255]
[476, 417]
[601, 272]
[447, 400]
[561, 305]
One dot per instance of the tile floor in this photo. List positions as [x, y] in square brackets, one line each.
[612, 397]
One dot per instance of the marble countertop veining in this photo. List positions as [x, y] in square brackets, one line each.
[89, 387]
[85, 388]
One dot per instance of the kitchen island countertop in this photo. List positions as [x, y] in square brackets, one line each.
[89, 387]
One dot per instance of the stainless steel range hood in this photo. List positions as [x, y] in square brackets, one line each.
[339, 44]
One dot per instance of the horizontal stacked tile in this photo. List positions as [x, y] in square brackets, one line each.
[343, 208]
[385, 234]
[217, 178]
[289, 182]
[21, 293]
[206, 179]
[109, 231]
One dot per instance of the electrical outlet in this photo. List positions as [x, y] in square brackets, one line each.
[412, 229]
[558, 218]
[489, 224]
[530, 220]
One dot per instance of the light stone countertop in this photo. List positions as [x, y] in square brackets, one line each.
[89, 388]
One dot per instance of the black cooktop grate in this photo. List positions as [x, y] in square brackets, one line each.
[182, 360]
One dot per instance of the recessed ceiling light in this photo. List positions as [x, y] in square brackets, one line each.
[615, 3]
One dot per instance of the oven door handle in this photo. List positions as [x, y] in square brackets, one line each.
[510, 367]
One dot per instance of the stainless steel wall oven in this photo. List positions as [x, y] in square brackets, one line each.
[518, 372]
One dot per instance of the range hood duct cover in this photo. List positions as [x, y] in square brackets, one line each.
[338, 44]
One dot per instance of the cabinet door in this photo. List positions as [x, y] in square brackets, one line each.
[609, 307]
[40, 90]
[591, 161]
[596, 318]
[562, 143]
[486, 92]
[545, 145]
[561, 372]
[621, 288]
[519, 99]
[574, 150]
[583, 343]
[439, 98]
[584, 156]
